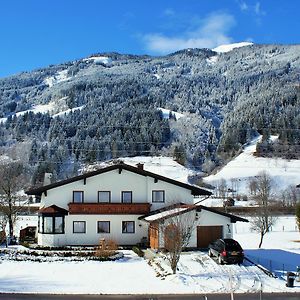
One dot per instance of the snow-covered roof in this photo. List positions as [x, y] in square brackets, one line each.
[166, 214]
[194, 189]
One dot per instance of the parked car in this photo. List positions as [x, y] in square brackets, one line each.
[227, 251]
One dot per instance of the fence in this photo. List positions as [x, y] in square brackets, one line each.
[277, 267]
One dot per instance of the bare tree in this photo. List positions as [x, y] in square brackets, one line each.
[298, 215]
[2, 229]
[263, 218]
[11, 182]
[178, 230]
[252, 184]
[222, 188]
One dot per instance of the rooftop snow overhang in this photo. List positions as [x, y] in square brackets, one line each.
[195, 191]
[167, 212]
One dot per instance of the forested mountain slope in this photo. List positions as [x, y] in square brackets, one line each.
[108, 106]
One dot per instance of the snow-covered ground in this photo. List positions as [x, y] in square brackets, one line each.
[166, 113]
[65, 112]
[161, 165]
[41, 108]
[50, 108]
[283, 172]
[197, 273]
[230, 47]
[60, 76]
[99, 59]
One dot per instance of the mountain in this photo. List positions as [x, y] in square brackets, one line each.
[197, 105]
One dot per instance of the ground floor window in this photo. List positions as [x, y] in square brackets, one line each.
[128, 227]
[51, 224]
[79, 226]
[103, 226]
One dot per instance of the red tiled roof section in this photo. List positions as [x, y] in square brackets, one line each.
[53, 209]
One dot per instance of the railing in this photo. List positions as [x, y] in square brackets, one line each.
[109, 208]
[279, 267]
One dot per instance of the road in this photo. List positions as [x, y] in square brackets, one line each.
[273, 296]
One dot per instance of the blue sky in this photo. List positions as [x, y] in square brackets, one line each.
[37, 33]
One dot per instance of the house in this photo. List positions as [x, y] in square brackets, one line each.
[113, 203]
[207, 224]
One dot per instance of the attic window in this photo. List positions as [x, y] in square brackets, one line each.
[158, 196]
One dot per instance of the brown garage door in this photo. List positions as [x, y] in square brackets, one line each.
[208, 234]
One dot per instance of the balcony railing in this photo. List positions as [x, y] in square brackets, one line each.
[109, 208]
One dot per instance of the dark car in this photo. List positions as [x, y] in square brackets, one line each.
[227, 251]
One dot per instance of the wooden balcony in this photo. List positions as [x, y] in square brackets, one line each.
[109, 208]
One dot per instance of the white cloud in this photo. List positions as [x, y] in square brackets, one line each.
[209, 33]
[169, 12]
[252, 9]
[258, 10]
[243, 6]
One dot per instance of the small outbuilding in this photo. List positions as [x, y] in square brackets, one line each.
[206, 224]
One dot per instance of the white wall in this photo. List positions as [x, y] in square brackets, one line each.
[141, 187]
[207, 218]
[91, 237]
[204, 218]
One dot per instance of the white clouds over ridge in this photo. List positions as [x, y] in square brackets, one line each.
[208, 33]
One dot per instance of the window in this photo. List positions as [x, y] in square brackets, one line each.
[127, 197]
[103, 196]
[51, 224]
[58, 224]
[78, 196]
[48, 224]
[158, 196]
[128, 227]
[78, 226]
[40, 224]
[103, 227]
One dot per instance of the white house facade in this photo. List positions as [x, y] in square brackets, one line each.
[105, 204]
[110, 204]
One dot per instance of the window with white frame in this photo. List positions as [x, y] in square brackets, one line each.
[78, 196]
[158, 196]
[104, 196]
[103, 226]
[127, 197]
[128, 227]
[79, 226]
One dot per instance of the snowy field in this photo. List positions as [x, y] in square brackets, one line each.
[161, 165]
[197, 272]
[283, 172]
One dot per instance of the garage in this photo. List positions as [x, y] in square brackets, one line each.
[208, 234]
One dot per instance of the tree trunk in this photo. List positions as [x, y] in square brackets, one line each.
[261, 239]
[10, 226]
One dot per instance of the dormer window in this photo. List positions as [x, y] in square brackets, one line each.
[77, 196]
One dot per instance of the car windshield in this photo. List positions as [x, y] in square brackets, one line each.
[232, 245]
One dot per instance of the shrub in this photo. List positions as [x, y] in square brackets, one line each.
[106, 248]
[138, 251]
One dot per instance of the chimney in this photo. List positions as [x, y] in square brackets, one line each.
[47, 178]
[140, 166]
